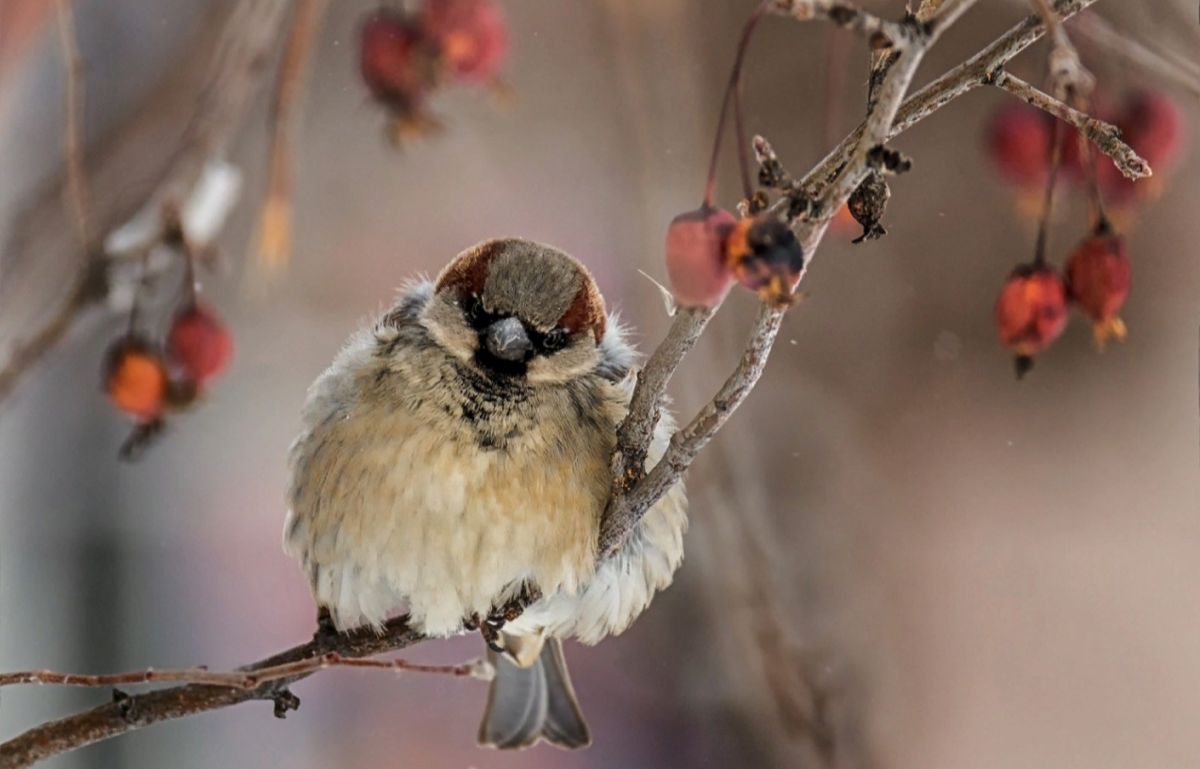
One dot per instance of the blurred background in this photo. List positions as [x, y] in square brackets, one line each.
[899, 555]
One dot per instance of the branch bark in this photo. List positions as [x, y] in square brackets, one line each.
[129, 712]
[1105, 136]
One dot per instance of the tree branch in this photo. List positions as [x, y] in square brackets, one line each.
[1105, 136]
[129, 712]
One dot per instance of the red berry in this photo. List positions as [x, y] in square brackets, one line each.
[764, 256]
[135, 378]
[472, 35]
[1098, 278]
[393, 61]
[1031, 312]
[1018, 142]
[199, 343]
[696, 256]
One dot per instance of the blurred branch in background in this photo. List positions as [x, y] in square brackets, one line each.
[274, 245]
[41, 252]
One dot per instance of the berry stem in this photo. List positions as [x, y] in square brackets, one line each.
[1096, 200]
[1039, 251]
[733, 94]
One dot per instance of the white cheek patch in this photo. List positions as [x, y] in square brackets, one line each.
[444, 321]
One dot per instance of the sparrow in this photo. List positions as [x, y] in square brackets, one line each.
[455, 461]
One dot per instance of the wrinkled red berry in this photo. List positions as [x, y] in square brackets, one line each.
[696, 264]
[393, 60]
[1031, 312]
[764, 256]
[199, 343]
[135, 378]
[1098, 280]
[472, 36]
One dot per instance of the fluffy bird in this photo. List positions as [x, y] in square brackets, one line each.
[455, 460]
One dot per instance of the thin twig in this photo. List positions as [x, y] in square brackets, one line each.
[238, 679]
[274, 245]
[77, 187]
[141, 710]
[1105, 136]
[1161, 63]
[645, 407]
[83, 294]
[688, 442]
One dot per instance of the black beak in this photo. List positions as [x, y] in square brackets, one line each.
[506, 339]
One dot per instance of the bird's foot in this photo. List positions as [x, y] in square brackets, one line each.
[327, 631]
[489, 630]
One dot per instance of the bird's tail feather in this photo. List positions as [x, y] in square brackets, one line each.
[537, 702]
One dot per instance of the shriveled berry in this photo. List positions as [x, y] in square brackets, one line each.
[471, 34]
[696, 264]
[199, 343]
[867, 204]
[396, 60]
[1031, 312]
[135, 378]
[1098, 280]
[764, 256]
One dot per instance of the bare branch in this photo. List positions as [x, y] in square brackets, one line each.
[1160, 63]
[966, 77]
[248, 36]
[645, 407]
[77, 188]
[275, 223]
[239, 679]
[1067, 73]
[130, 712]
[1105, 136]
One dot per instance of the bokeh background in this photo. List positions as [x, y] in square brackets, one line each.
[899, 556]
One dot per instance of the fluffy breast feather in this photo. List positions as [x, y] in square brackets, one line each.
[407, 487]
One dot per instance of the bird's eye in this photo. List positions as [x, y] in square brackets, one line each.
[555, 340]
[475, 313]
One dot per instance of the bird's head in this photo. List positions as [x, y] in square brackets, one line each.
[516, 308]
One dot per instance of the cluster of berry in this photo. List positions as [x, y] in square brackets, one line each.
[405, 57]
[1031, 311]
[145, 379]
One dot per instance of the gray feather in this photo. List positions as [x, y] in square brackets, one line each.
[564, 725]
[527, 704]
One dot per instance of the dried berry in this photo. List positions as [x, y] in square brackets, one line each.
[867, 204]
[135, 378]
[696, 256]
[396, 60]
[1031, 312]
[199, 344]
[471, 34]
[1098, 278]
[764, 256]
